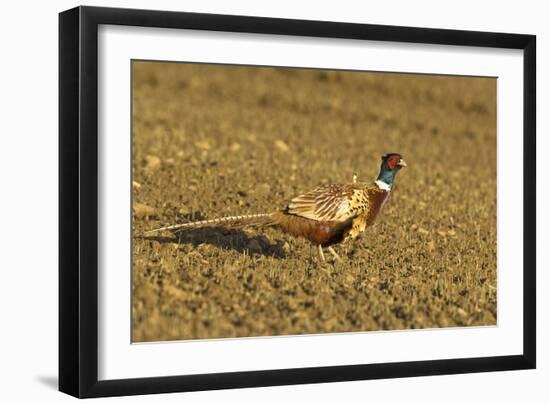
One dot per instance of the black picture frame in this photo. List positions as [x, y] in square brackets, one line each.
[78, 201]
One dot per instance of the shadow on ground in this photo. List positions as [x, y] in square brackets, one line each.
[226, 239]
[48, 381]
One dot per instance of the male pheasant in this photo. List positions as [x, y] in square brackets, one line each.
[328, 215]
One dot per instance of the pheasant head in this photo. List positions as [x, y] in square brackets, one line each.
[391, 164]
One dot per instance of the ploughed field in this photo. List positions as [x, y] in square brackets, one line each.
[210, 141]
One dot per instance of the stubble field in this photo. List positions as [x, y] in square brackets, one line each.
[210, 141]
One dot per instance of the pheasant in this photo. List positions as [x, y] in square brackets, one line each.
[328, 215]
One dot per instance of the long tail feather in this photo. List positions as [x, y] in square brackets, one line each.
[229, 221]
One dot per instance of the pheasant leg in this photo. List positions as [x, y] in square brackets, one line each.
[321, 255]
[336, 256]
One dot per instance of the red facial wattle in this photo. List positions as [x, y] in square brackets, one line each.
[392, 162]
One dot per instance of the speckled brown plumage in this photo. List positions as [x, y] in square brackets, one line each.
[332, 213]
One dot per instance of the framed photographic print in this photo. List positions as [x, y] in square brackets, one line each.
[251, 201]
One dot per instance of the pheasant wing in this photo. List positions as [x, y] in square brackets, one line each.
[334, 202]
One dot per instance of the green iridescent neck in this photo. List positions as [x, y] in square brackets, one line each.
[387, 175]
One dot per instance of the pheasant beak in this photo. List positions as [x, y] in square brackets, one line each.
[402, 163]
